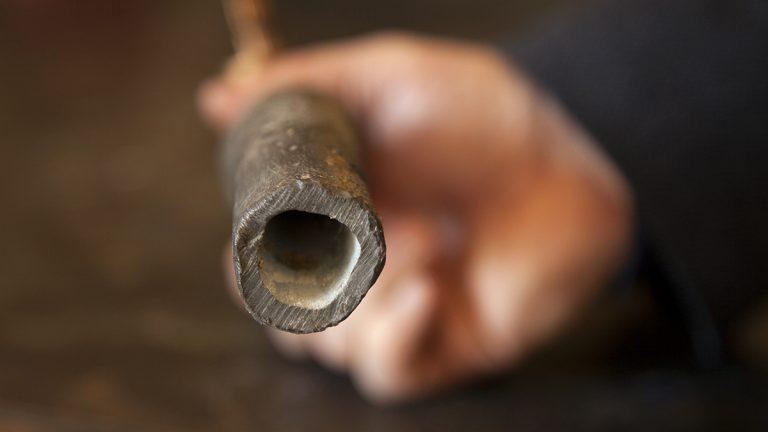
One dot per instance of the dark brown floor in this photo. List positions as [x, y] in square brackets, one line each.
[113, 315]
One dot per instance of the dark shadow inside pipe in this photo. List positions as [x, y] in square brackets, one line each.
[306, 258]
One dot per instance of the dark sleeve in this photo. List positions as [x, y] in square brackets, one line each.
[677, 93]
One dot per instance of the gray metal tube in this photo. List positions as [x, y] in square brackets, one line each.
[307, 242]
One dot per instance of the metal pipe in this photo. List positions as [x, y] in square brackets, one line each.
[307, 242]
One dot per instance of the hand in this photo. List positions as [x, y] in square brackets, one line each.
[502, 218]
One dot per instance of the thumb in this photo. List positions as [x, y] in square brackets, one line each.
[385, 367]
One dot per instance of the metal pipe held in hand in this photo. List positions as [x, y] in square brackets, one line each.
[306, 240]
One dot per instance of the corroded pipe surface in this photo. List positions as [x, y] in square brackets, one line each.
[307, 243]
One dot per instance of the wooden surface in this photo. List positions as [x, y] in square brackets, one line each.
[113, 314]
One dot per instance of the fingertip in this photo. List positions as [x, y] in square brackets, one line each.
[330, 347]
[290, 345]
[216, 102]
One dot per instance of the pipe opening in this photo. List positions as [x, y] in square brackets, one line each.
[306, 258]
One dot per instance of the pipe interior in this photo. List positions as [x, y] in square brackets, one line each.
[306, 258]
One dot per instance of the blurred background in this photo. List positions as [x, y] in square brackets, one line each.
[113, 312]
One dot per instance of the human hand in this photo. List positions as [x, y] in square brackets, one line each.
[502, 219]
